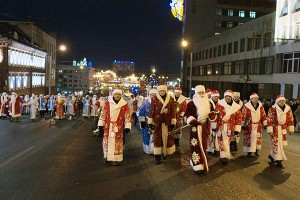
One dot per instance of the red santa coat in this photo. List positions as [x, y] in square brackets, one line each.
[279, 123]
[254, 118]
[198, 137]
[229, 120]
[113, 117]
[162, 114]
[15, 106]
[180, 105]
[3, 106]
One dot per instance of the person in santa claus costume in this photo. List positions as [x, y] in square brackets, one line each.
[213, 145]
[25, 105]
[144, 113]
[236, 139]
[114, 118]
[162, 120]
[86, 111]
[95, 106]
[59, 114]
[42, 106]
[280, 122]
[50, 105]
[33, 104]
[229, 122]
[254, 118]
[180, 105]
[198, 114]
[4, 105]
[15, 106]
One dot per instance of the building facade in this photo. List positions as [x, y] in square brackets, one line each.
[22, 63]
[123, 68]
[47, 41]
[260, 56]
[71, 79]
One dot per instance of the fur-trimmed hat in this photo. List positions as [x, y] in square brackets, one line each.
[215, 93]
[253, 95]
[162, 87]
[280, 98]
[228, 93]
[199, 88]
[178, 89]
[117, 91]
[208, 91]
[237, 94]
[152, 91]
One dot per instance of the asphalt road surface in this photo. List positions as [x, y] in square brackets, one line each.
[51, 159]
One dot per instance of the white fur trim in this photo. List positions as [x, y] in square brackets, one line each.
[182, 114]
[236, 94]
[270, 129]
[280, 99]
[179, 91]
[117, 91]
[213, 125]
[152, 91]
[173, 121]
[162, 87]
[199, 88]
[253, 95]
[291, 129]
[142, 118]
[265, 122]
[128, 125]
[150, 121]
[101, 123]
[228, 94]
[237, 128]
[190, 118]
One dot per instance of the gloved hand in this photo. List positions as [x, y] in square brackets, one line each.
[151, 126]
[194, 123]
[101, 129]
[236, 133]
[127, 130]
[171, 127]
[214, 130]
[143, 124]
[265, 127]
[244, 127]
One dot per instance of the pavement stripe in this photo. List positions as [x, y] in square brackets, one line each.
[17, 156]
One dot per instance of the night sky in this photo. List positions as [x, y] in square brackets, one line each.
[143, 31]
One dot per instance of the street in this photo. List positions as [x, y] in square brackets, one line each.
[51, 159]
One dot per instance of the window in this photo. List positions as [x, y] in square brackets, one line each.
[297, 34]
[206, 53]
[297, 6]
[269, 63]
[209, 70]
[291, 62]
[219, 50]
[217, 33]
[239, 67]
[252, 14]
[240, 23]
[284, 33]
[210, 53]
[250, 66]
[284, 10]
[218, 23]
[229, 48]
[241, 13]
[224, 49]
[230, 13]
[229, 24]
[249, 44]
[267, 39]
[242, 45]
[215, 52]
[202, 69]
[236, 47]
[203, 55]
[219, 11]
[258, 42]
[256, 66]
[227, 68]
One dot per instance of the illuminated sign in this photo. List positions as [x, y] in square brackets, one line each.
[82, 63]
[177, 9]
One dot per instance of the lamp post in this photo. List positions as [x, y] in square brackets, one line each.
[61, 48]
[184, 44]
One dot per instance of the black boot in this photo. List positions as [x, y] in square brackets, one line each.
[157, 159]
[272, 162]
[279, 164]
[249, 154]
[224, 161]
[177, 142]
[256, 153]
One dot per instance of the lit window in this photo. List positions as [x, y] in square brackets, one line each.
[297, 6]
[229, 24]
[218, 23]
[217, 33]
[284, 10]
[298, 30]
[240, 23]
[241, 13]
[230, 12]
[219, 12]
[252, 14]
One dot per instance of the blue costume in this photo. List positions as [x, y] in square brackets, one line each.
[144, 113]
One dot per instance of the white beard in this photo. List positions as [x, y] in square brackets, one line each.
[203, 106]
[13, 98]
[94, 99]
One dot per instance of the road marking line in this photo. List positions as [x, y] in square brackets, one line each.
[16, 156]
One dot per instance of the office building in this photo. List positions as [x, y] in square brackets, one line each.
[123, 68]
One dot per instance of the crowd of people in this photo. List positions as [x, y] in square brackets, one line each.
[216, 124]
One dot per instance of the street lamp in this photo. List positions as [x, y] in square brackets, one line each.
[184, 44]
[61, 48]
